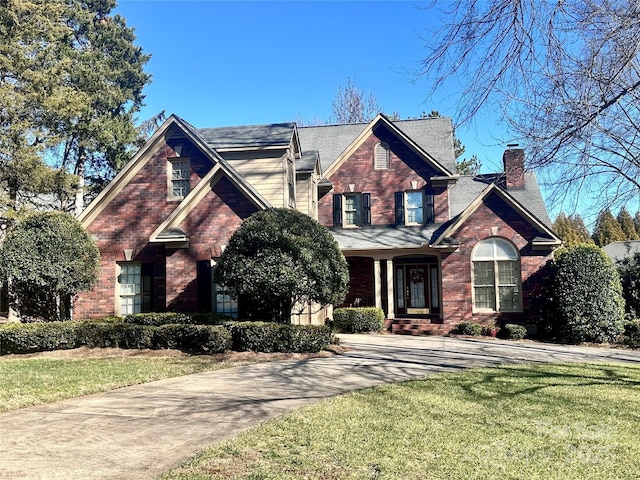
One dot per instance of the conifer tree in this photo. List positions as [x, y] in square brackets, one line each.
[71, 81]
[626, 223]
[607, 229]
[571, 229]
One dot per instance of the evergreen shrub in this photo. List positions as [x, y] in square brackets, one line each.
[358, 319]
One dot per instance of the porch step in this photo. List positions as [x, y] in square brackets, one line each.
[416, 326]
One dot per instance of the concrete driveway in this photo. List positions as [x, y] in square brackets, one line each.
[139, 432]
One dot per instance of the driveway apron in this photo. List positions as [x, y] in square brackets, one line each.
[139, 432]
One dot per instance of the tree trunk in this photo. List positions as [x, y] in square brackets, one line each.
[80, 172]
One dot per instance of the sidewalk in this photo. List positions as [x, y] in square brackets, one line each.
[139, 432]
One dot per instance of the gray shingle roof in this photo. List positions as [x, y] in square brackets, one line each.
[468, 188]
[620, 250]
[307, 162]
[380, 237]
[272, 135]
[433, 135]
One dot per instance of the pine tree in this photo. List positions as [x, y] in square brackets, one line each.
[626, 223]
[571, 229]
[636, 222]
[71, 81]
[607, 229]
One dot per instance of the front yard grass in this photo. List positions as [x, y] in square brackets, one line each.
[27, 380]
[517, 422]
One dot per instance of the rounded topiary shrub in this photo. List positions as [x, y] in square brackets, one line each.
[585, 297]
[469, 328]
[512, 331]
[355, 320]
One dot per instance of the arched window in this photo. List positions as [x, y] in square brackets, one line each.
[496, 276]
[381, 156]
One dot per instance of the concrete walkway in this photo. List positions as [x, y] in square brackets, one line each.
[139, 432]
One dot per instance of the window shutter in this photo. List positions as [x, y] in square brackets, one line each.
[337, 210]
[429, 210]
[366, 209]
[204, 285]
[399, 208]
[146, 271]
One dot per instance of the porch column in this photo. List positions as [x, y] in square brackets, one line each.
[377, 283]
[390, 298]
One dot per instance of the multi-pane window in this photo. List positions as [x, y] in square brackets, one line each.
[130, 286]
[179, 186]
[352, 209]
[496, 276]
[414, 207]
[225, 303]
[291, 184]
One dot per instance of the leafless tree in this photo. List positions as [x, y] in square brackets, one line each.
[352, 105]
[566, 77]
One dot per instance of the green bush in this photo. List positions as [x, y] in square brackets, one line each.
[585, 301]
[273, 337]
[193, 338]
[94, 334]
[512, 331]
[37, 337]
[156, 319]
[469, 328]
[632, 334]
[629, 270]
[355, 320]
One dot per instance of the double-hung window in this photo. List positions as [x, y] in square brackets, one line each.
[351, 209]
[178, 177]
[414, 207]
[496, 276]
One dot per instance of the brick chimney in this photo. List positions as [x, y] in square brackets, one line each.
[513, 160]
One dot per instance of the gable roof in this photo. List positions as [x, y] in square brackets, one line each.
[143, 155]
[547, 237]
[433, 136]
[251, 137]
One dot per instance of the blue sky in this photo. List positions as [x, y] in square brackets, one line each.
[218, 63]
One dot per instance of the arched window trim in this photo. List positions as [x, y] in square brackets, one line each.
[496, 279]
[381, 156]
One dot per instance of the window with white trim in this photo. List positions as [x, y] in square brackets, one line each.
[414, 207]
[179, 183]
[130, 288]
[496, 276]
[381, 156]
[351, 209]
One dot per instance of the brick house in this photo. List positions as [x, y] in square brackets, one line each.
[430, 247]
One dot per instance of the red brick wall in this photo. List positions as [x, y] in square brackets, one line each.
[130, 219]
[361, 283]
[456, 266]
[404, 166]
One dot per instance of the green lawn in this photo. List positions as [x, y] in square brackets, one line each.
[514, 422]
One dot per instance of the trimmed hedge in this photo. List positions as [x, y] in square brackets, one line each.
[512, 331]
[469, 328]
[193, 338]
[241, 336]
[355, 319]
[172, 318]
[275, 337]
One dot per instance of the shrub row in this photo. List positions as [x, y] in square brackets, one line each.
[355, 320]
[240, 336]
[510, 331]
[38, 337]
[157, 319]
[275, 337]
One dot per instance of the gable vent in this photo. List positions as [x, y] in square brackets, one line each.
[381, 156]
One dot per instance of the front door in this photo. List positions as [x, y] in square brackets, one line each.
[417, 289]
